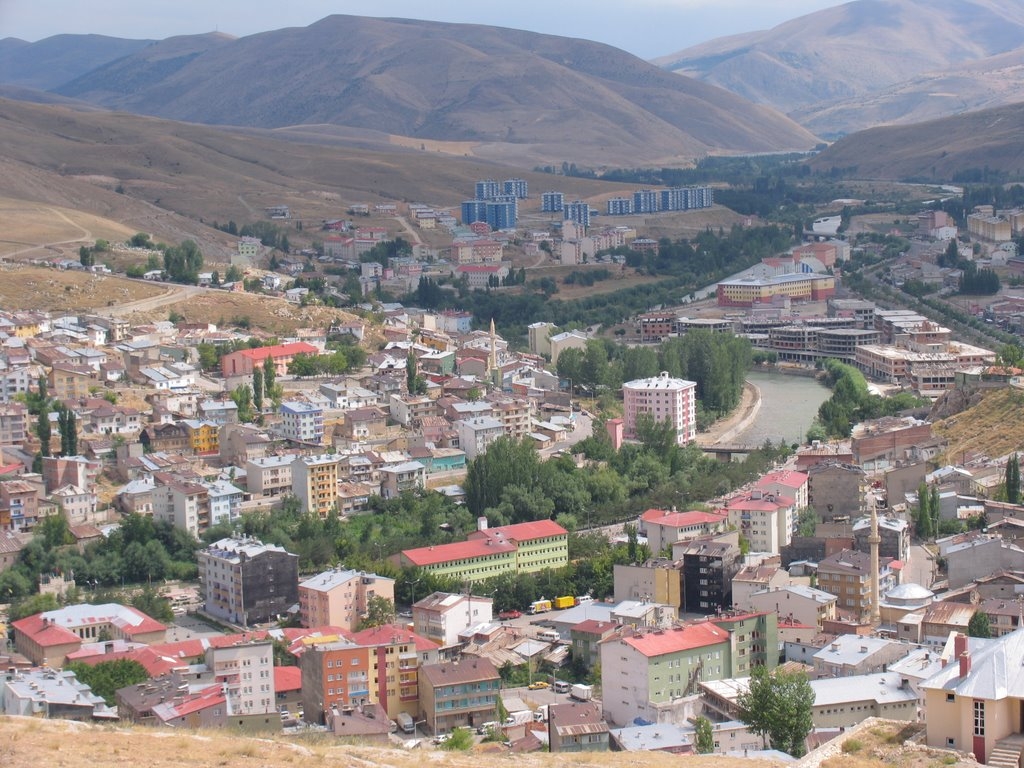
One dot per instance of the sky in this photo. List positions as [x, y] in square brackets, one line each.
[646, 28]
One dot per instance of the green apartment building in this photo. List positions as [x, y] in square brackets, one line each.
[520, 548]
[643, 673]
[755, 638]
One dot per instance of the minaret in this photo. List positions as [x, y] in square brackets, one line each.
[492, 362]
[874, 540]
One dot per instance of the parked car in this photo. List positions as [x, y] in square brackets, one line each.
[441, 738]
[513, 614]
[539, 685]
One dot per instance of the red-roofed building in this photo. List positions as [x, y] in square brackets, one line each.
[664, 527]
[643, 673]
[287, 687]
[766, 519]
[47, 638]
[488, 552]
[786, 482]
[586, 639]
[397, 650]
[157, 664]
[242, 362]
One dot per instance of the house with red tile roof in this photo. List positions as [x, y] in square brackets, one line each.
[47, 638]
[287, 687]
[242, 362]
[664, 527]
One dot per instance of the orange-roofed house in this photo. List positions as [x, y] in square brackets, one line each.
[664, 527]
[287, 687]
[242, 362]
[643, 673]
[487, 552]
[46, 638]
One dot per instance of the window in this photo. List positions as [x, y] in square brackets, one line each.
[979, 718]
[950, 697]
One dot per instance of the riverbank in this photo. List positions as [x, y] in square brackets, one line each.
[725, 430]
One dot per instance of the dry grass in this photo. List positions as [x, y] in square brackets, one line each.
[275, 316]
[882, 745]
[995, 426]
[31, 742]
[35, 229]
[24, 287]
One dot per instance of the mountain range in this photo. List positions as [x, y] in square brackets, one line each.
[498, 93]
[872, 62]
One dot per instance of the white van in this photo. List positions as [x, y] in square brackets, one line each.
[549, 636]
[561, 686]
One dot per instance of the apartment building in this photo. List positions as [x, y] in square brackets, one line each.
[523, 548]
[396, 656]
[302, 422]
[442, 616]
[847, 575]
[269, 475]
[476, 434]
[665, 527]
[247, 582]
[182, 503]
[340, 597]
[335, 675]
[643, 673]
[663, 399]
[708, 568]
[765, 519]
[246, 673]
[315, 483]
[462, 694]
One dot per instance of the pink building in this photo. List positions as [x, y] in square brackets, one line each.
[663, 398]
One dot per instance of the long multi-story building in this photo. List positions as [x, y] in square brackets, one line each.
[242, 362]
[519, 548]
[753, 291]
[662, 398]
[340, 597]
[517, 188]
[643, 673]
[646, 201]
[247, 582]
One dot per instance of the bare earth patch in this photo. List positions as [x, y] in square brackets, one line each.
[23, 287]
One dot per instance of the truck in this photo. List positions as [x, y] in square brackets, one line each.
[522, 717]
[405, 722]
[568, 601]
[582, 692]
[539, 606]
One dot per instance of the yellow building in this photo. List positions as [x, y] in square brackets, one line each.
[396, 654]
[203, 436]
[315, 483]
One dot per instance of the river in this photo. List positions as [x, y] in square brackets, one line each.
[788, 405]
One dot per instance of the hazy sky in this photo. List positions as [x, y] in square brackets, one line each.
[647, 28]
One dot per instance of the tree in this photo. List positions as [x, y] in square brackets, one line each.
[979, 625]
[925, 530]
[415, 384]
[705, 737]
[107, 677]
[257, 389]
[269, 375]
[379, 611]
[86, 256]
[242, 396]
[778, 705]
[461, 739]
[1013, 480]
[67, 425]
[43, 432]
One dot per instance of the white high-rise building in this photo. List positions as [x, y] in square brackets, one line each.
[663, 398]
